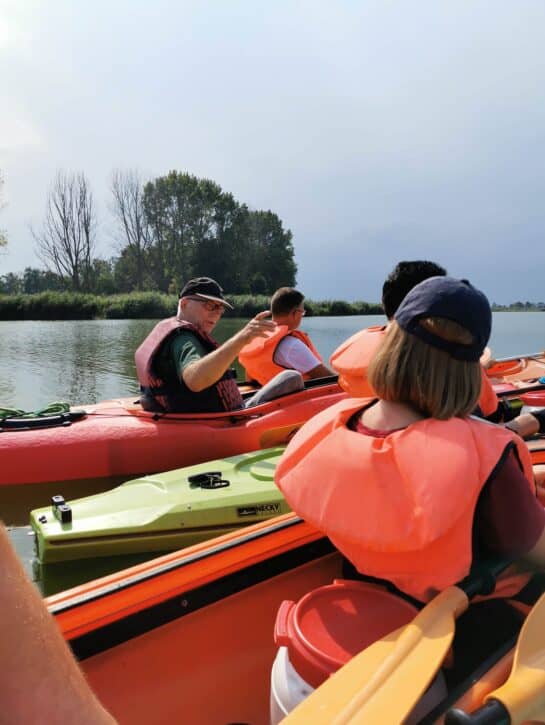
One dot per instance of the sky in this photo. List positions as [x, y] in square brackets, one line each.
[376, 130]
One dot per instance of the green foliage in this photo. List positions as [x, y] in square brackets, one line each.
[140, 305]
[198, 229]
[50, 306]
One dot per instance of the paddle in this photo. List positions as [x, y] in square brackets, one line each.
[383, 683]
[522, 697]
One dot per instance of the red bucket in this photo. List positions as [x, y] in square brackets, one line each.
[330, 625]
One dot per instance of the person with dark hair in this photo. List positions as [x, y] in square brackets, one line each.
[285, 347]
[181, 368]
[407, 484]
[403, 278]
[41, 681]
[353, 357]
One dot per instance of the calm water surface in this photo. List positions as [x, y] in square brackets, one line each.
[90, 360]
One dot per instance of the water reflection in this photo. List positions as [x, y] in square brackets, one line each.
[84, 361]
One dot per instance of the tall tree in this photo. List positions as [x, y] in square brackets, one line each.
[272, 252]
[3, 238]
[128, 210]
[67, 238]
[180, 211]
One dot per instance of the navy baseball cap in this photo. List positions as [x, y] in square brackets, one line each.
[205, 288]
[452, 299]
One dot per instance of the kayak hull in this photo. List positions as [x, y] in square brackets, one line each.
[117, 438]
[205, 619]
[163, 512]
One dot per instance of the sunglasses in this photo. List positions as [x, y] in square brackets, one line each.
[209, 305]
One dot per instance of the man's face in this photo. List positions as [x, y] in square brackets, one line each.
[296, 317]
[204, 314]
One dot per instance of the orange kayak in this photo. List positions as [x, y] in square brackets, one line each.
[117, 439]
[189, 637]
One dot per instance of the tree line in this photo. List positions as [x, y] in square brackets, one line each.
[166, 230]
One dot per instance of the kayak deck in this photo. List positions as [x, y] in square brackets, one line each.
[163, 512]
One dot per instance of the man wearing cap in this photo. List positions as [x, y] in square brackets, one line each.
[182, 369]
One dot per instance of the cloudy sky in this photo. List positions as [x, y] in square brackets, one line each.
[376, 130]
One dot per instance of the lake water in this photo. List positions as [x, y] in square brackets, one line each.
[84, 361]
[90, 360]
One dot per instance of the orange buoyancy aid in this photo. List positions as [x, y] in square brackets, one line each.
[488, 400]
[353, 357]
[223, 395]
[351, 361]
[399, 508]
[257, 357]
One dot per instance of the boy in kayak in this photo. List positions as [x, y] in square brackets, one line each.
[352, 358]
[41, 680]
[285, 346]
[181, 368]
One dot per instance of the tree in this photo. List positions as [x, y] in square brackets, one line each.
[10, 284]
[128, 210]
[3, 238]
[180, 210]
[40, 280]
[66, 242]
[271, 251]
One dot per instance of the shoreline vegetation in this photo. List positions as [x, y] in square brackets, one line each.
[157, 305]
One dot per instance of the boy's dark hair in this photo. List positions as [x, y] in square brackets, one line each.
[284, 300]
[403, 278]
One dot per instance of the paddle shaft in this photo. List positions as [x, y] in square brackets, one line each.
[384, 682]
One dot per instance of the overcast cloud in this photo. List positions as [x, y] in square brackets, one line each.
[376, 130]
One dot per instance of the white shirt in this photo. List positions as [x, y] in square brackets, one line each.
[293, 354]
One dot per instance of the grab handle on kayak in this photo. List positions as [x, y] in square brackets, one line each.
[208, 479]
[45, 421]
[493, 712]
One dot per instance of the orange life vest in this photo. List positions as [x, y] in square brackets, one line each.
[399, 508]
[257, 357]
[351, 361]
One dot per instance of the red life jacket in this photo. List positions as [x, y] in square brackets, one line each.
[399, 508]
[257, 357]
[173, 395]
[351, 361]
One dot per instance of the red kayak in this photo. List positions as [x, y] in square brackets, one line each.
[117, 439]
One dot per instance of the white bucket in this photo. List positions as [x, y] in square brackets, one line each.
[288, 689]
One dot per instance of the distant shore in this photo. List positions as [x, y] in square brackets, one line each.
[156, 305]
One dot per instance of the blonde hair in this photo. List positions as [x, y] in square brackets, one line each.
[408, 370]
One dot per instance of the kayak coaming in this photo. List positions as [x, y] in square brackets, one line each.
[103, 601]
[203, 617]
[164, 511]
[118, 438]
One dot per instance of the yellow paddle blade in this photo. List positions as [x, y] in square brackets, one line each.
[524, 692]
[383, 683]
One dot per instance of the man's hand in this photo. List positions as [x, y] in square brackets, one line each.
[257, 327]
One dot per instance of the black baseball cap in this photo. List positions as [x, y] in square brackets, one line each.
[206, 288]
[452, 299]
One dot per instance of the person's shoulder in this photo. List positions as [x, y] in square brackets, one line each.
[184, 339]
